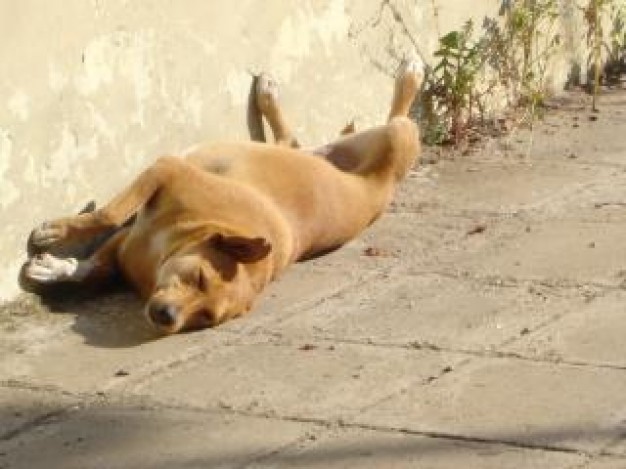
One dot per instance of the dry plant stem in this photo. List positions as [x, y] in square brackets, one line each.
[436, 15]
[597, 45]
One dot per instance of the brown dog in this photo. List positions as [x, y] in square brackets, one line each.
[211, 230]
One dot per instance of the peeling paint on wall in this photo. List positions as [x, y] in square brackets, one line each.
[8, 190]
[193, 105]
[19, 105]
[300, 33]
[237, 86]
[9, 287]
[66, 158]
[57, 79]
[120, 54]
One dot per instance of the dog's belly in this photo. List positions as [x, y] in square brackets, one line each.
[301, 204]
[324, 206]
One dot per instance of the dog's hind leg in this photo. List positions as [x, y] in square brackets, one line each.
[42, 272]
[267, 101]
[391, 147]
[408, 83]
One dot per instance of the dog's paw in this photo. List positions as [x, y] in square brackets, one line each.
[46, 268]
[411, 73]
[48, 234]
[266, 93]
[415, 66]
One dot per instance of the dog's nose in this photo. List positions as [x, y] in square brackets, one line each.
[162, 315]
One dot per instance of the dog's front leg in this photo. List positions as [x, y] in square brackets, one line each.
[44, 271]
[79, 228]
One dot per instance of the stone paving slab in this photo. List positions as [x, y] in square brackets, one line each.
[558, 250]
[446, 312]
[527, 403]
[366, 449]
[115, 339]
[468, 186]
[572, 134]
[594, 201]
[404, 239]
[592, 334]
[302, 379]
[579, 138]
[618, 447]
[111, 437]
[605, 463]
[302, 286]
[421, 243]
[69, 363]
[21, 407]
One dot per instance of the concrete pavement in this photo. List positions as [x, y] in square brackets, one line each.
[479, 324]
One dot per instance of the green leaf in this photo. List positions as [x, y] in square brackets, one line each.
[451, 40]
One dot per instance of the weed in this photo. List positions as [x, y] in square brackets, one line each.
[593, 18]
[532, 43]
[597, 13]
[450, 94]
[513, 53]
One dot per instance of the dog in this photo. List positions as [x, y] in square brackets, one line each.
[200, 236]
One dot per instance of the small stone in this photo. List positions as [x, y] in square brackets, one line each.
[373, 252]
[477, 230]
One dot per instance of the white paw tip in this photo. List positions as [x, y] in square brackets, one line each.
[47, 268]
[267, 85]
[414, 65]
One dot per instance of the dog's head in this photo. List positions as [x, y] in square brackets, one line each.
[203, 285]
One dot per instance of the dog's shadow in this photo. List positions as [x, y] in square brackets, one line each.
[108, 316]
[111, 319]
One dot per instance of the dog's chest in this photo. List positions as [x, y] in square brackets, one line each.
[141, 254]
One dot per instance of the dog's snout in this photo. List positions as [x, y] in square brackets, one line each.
[162, 315]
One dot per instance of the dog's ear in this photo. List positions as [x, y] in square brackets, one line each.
[242, 249]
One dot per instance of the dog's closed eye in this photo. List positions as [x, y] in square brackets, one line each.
[202, 280]
[200, 320]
